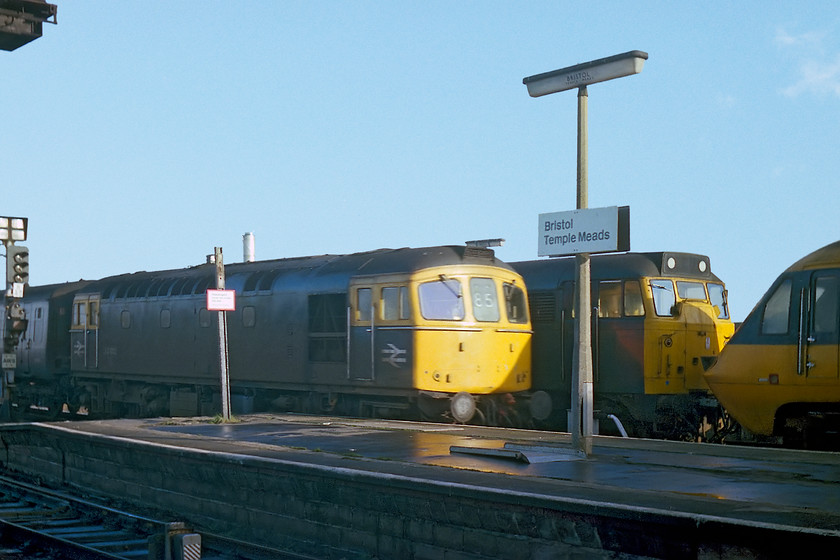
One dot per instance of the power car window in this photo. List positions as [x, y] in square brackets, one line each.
[776, 313]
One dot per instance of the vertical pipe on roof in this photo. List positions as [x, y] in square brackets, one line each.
[248, 247]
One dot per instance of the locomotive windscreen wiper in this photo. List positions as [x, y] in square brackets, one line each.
[445, 281]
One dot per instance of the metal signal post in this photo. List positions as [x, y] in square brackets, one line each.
[13, 229]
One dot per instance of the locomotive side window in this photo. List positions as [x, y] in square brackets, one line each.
[364, 300]
[80, 314]
[825, 304]
[515, 303]
[165, 319]
[776, 314]
[442, 300]
[691, 290]
[609, 299]
[717, 296]
[394, 303]
[249, 316]
[86, 313]
[93, 314]
[484, 300]
[203, 318]
[633, 303]
[125, 319]
[664, 297]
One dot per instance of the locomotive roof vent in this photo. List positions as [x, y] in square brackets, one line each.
[484, 243]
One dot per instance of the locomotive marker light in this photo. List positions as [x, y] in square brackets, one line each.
[579, 76]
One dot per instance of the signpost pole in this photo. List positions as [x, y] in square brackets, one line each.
[223, 345]
[582, 393]
[579, 76]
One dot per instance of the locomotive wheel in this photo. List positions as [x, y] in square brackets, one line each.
[462, 407]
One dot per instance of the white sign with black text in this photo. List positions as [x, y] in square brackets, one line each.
[221, 300]
[590, 230]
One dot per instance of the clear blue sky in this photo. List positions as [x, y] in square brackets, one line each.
[140, 135]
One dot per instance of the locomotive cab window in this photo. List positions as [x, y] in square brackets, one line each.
[717, 297]
[394, 303]
[633, 303]
[86, 313]
[776, 313]
[442, 300]
[620, 299]
[664, 297]
[515, 303]
[80, 314]
[691, 290]
[484, 299]
[825, 305]
[609, 299]
[364, 301]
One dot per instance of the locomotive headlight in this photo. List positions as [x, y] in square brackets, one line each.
[702, 266]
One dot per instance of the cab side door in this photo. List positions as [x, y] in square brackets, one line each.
[84, 333]
[823, 327]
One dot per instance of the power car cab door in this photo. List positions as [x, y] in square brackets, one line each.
[822, 335]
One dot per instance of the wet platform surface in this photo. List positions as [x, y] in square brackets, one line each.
[751, 485]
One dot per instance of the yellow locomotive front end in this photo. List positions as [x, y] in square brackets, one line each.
[686, 331]
[687, 325]
[472, 342]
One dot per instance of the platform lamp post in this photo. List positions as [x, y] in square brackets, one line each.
[580, 76]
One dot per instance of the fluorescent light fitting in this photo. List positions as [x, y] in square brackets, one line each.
[592, 72]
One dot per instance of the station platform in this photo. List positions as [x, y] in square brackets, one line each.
[789, 487]
[724, 489]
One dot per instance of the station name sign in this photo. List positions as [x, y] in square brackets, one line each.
[591, 230]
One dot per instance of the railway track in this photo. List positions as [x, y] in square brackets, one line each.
[39, 523]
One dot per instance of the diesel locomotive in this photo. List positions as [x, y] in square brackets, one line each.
[436, 332]
[779, 376]
[659, 320]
